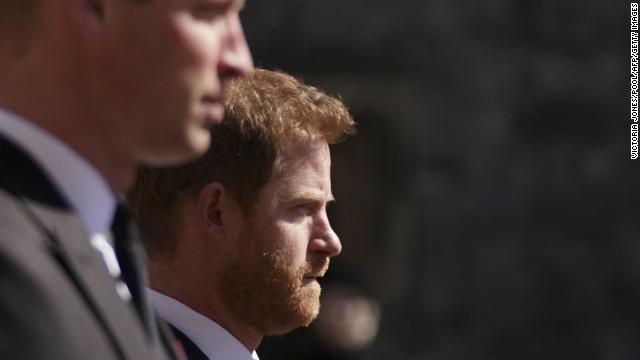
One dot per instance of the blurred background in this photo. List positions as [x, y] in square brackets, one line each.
[488, 208]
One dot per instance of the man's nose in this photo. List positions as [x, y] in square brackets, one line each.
[235, 59]
[324, 239]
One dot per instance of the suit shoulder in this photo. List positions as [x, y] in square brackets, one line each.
[40, 307]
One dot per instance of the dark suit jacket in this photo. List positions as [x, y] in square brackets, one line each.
[57, 300]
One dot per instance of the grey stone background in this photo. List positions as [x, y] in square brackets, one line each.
[487, 202]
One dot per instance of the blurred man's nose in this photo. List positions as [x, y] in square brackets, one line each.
[235, 59]
[325, 240]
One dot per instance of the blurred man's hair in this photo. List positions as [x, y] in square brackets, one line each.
[264, 113]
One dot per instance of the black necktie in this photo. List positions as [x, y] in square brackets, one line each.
[131, 260]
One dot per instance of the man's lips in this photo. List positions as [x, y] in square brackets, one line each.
[315, 272]
[214, 108]
[310, 279]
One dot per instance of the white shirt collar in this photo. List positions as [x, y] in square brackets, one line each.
[79, 182]
[212, 339]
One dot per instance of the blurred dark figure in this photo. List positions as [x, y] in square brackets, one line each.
[347, 325]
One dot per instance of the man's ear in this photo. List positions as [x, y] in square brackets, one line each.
[88, 18]
[95, 9]
[210, 207]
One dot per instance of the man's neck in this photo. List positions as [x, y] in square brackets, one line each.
[207, 303]
[41, 86]
[116, 168]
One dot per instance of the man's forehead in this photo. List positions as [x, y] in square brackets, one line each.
[301, 185]
[304, 173]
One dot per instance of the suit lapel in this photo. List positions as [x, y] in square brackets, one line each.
[70, 245]
[87, 268]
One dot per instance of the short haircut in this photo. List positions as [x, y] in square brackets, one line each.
[264, 113]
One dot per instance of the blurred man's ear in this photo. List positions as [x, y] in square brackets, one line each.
[96, 8]
[87, 18]
[210, 206]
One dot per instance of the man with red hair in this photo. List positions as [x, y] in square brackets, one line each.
[238, 239]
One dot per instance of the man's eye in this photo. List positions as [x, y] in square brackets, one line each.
[304, 208]
[301, 206]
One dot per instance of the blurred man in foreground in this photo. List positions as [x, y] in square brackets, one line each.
[90, 89]
[238, 239]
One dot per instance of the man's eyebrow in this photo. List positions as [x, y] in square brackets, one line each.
[308, 195]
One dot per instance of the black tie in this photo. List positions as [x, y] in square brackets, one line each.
[131, 259]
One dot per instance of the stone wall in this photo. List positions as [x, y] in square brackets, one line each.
[487, 202]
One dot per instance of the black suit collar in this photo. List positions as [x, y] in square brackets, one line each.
[192, 351]
[20, 174]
